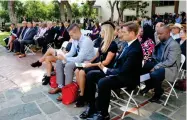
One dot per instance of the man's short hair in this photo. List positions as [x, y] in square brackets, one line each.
[72, 26]
[13, 24]
[131, 26]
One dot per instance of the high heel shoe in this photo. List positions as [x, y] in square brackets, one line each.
[80, 101]
[36, 64]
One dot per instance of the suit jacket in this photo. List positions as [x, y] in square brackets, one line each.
[50, 34]
[30, 34]
[63, 31]
[170, 59]
[129, 65]
[21, 32]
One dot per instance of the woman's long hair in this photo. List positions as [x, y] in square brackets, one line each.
[108, 36]
[148, 33]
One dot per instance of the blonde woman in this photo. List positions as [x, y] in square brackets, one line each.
[106, 54]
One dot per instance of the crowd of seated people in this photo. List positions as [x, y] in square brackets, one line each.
[39, 34]
[125, 51]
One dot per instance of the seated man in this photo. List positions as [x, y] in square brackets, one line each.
[126, 73]
[20, 35]
[27, 39]
[83, 47]
[118, 38]
[48, 37]
[86, 52]
[164, 64]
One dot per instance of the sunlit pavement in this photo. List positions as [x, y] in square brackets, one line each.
[22, 97]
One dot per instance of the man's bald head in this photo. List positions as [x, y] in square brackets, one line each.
[158, 25]
[163, 33]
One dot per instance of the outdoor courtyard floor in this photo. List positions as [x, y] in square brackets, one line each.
[22, 97]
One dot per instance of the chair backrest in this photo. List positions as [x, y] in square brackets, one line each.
[55, 36]
[64, 45]
[95, 50]
[182, 61]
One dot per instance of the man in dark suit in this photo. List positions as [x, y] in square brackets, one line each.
[20, 35]
[27, 39]
[49, 37]
[126, 73]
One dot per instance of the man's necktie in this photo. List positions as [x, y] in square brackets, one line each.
[121, 54]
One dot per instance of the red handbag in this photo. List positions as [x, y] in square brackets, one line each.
[53, 83]
[181, 85]
[69, 93]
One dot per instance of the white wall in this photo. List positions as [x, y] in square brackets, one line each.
[182, 6]
[162, 10]
[105, 10]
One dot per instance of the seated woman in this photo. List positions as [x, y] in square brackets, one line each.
[95, 32]
[182, 42]
[12, 37]
[106, 54]
[147, 41]
[49, 57]
[62, 35]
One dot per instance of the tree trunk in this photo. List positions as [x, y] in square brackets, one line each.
[119, 15]
[91, 3]
[112, 9]
[62, 10]
[69, 11]
[137, 9]
[11, 12]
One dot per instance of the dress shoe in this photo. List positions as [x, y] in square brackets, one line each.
[17, 53]
[22, 55]
[144, 91]
[156, 96]
[46, 80]
[59, 98]
[87, 113]
[55, 91]
[80, 101]
[99, 116]
[36, 64]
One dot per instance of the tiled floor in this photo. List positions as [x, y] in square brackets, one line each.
[22, 97]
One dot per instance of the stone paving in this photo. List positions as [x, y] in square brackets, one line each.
[22, 97]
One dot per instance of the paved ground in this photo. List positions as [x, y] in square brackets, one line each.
[22, 97]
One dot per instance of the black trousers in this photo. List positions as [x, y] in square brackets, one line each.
[42, 43]
[6, 41]
[105, 85]
[16, 44]
[19, 46]
[157, 76]
[23, 43]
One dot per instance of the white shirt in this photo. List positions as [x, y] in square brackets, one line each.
[176, 36]
[42, 31]
[129, 43]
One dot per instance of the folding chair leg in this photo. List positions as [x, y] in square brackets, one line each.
[130, 97]
[139, 88]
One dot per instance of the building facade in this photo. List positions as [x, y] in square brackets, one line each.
[155, 7]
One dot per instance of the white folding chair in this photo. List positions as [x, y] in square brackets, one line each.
[95, 50]
[172, 85]
[28, 49]
[49, 45]
[64, 45]
[128, 101]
